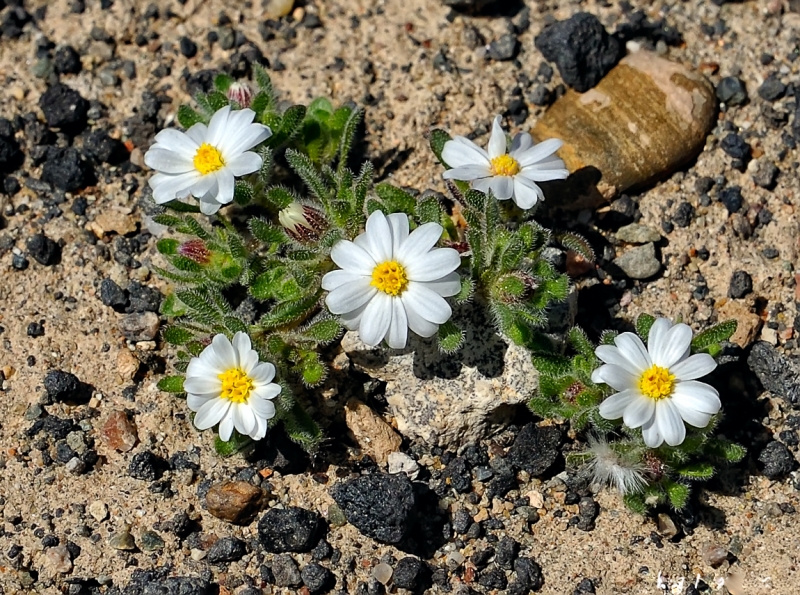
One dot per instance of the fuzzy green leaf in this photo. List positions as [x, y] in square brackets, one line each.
[304, 168]
[451, 338]
[290, 126]
[288, 312]
[203, 309]
[262, 79]
[236, 443]
[714, 335]
[266, 232]
[348, 135]
[172, 307]
[167, 246]
[301, 428]
[580, 342]
[168, 220]
[551, 364]
[696, 471]
[243, 192]
[187, 117]
[643, 325]
[176, 335]
[222, 82]
[396, 199]
[181, 207]
[437, 141]
[171, 384]
[728, 451]
[635, 502]
[185, 265]
[677, 494]
[466, 291]
[217, 100]
[324, 331]
[429, 210]
[577, 243]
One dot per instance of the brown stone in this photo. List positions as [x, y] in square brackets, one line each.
[234, 501]
[714, 554]
[748, 322]
[127, 365]
[646, 118]
[139, 326]
[375, 437]
[119, 432]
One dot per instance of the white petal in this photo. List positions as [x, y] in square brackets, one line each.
[656, 338]
[426, 303]
[266, 391]
[203, 186]
[436, 264]
[418, 243]
[497, 140]
[447, 286]
[610, 354]
[196, 402]
[175, 140]
[244, 420]
[226, 182]
[502, 187]
[334, 279]
[379, 237]
[350, 296]
[398, 327]
[461, 151]
[198, 133]
[521, 143]
[353, 258]
[418, 324]
[209, 206]
[652, 437]
[351, 320]
[632, 349]
[695, 418]
[467, 173]
[167, 161]
[538, 152]
[614, 406]
[211, 413]
[226, 427]
[398, 223]
[263, 408]
[225, 352]
[483, 184]
[244, 164]
[695, 366]
[639, 412]
[669, 422]
[535, 174]
[202, 385]
[167, 187]
[261, 429]
[218, 126]
[248, 358]
[614, 376]
[376, 319]
[526, 194]
[696, 395]
[263, 373]
[201, 367]
[677, 342]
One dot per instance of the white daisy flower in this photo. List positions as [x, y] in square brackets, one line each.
[227, 385]
[392, 280]
[508, 174]
[657, 385]
[204, 160]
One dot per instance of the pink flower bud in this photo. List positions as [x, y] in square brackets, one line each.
[195, 250]
[241, 93]
[302, 222]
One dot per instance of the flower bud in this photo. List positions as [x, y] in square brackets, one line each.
[241, 93]
[195, 250]
[302, 222]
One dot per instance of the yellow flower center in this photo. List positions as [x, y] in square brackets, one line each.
[236, 385]
[505, 165]
[390, 277]
[657, 383]
[208, 159]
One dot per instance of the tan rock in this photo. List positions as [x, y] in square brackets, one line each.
[120, 432]
[375, 437]
[234, 501]
[647, 117]
[117, 220]
[127, 365]
[749, 323]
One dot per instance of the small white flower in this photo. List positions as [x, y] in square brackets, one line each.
[657, 385]
[204, 160]
[227, 385]
[392, 280]
[610, 468]
[507, 174]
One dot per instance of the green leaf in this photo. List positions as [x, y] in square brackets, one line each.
[167, 246]
[429, 210]
[643, 325]
[187, 117]
[203, 308]
[451, 338]
[714, 335]
[466, 291]
[172, 307]
[290, 126]
[320, 108]
[550, 364]
[243, 192]
[168, 220]
[181, 207]
[304, 168]
[677, 494]
[171, 384]
[696, 471]
[289, 312]
[300, 427]
[607, 337]
[580, 342]
[577, 243]
[176, 335]
[635, 502]
[262, 79]
[234, 324]
[267, 233]
[396, 199]
[222, 82]
[726, 450]
[347, 137]
[236, 246]
[267, 284]
[312, 370]
[437, 141]
[186, 265]
[236, 443]
[217, 100]
[324, 331]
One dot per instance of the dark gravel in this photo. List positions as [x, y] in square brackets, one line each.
[291, 529]
[535, 449]
[227, 549]
[776, 460]
[777, 373]
[43, 250]
[731, 91]
[63, 386]
[64, 108]
[65, 169]
[317, 578]
[741, 284]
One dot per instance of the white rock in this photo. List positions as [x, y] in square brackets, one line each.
[400, 462]
[98, 510]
